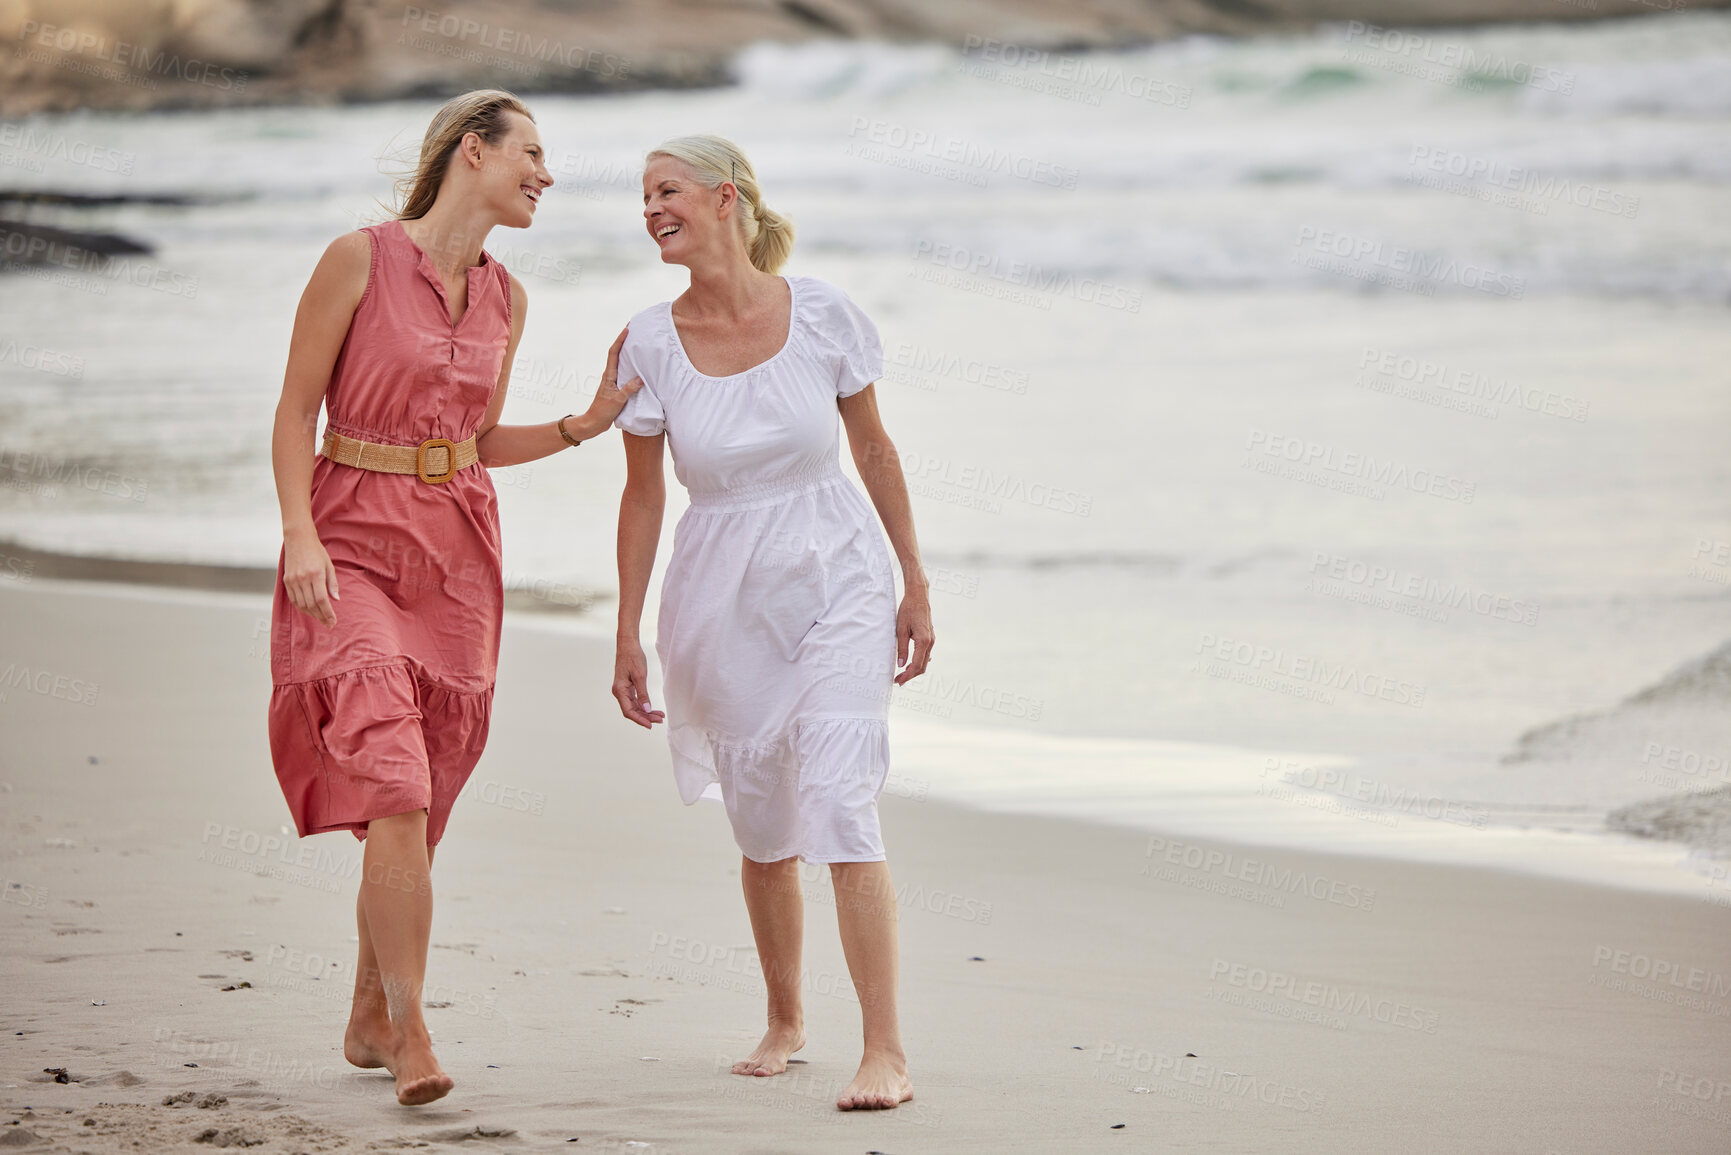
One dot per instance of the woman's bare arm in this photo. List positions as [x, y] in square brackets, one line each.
[880, 468]
[640, 509]
[327, 307]
[500, 445]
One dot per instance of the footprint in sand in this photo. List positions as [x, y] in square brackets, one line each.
[230, 1137]
[461, 1135]
[147, 1127]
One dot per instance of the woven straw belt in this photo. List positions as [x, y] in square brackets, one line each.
[435, 460]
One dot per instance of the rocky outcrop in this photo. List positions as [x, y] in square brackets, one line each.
[66, 54]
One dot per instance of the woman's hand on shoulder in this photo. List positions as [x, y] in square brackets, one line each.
[610, 397]
[631, 684]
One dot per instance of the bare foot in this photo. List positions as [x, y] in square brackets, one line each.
[367, 1042]
[420, 1079]
[770, 1058]
[881, 1082]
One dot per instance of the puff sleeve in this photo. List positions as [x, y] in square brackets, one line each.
[642, 415]
[845, 328]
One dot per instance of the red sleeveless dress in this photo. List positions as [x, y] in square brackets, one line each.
[388, 711]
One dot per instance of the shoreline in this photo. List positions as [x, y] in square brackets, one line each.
[19, 561]
[1255, 809]
[1280, 817]
[183, 961]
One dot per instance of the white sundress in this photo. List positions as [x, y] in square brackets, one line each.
[776, 633]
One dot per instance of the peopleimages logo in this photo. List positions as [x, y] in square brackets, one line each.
[1398, 266]
[1670, 972]
[1023, 275]
[1329, 782]
[48, 684]
[1076, 74]
[1361, 469]
[509, 42]
[33, 248]
[926, 470]
[1372, 579]
[923, 362]
[883, 140]
[1226, 1084]
[54, 146]
[1472, 68]
[1488, 173]
[1255, 871]
[1471, 384]
[1325, 997]
[73, 42]
[1311, 670]
[43, 360]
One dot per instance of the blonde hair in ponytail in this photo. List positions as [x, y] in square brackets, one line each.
[715, 159]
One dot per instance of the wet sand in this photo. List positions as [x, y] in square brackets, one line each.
[183, 962]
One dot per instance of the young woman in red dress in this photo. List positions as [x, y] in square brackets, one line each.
[385, 626]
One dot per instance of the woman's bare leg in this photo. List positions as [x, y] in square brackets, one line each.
[396, 916]
[865, 909]
[367, 1042]
[777, 909]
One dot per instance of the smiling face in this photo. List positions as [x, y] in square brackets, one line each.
[513, 171]
[687, 221]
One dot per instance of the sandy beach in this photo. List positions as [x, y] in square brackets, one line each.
[183, 962]
[1315, 434]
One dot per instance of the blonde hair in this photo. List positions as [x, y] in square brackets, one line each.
[482, 112]
[715, 159]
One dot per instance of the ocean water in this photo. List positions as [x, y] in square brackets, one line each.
[1293, 423]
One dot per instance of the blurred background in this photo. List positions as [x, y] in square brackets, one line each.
[1315, 412]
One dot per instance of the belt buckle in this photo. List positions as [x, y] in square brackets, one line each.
[450, 460]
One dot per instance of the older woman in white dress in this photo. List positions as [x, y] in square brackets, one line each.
[779, 634]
